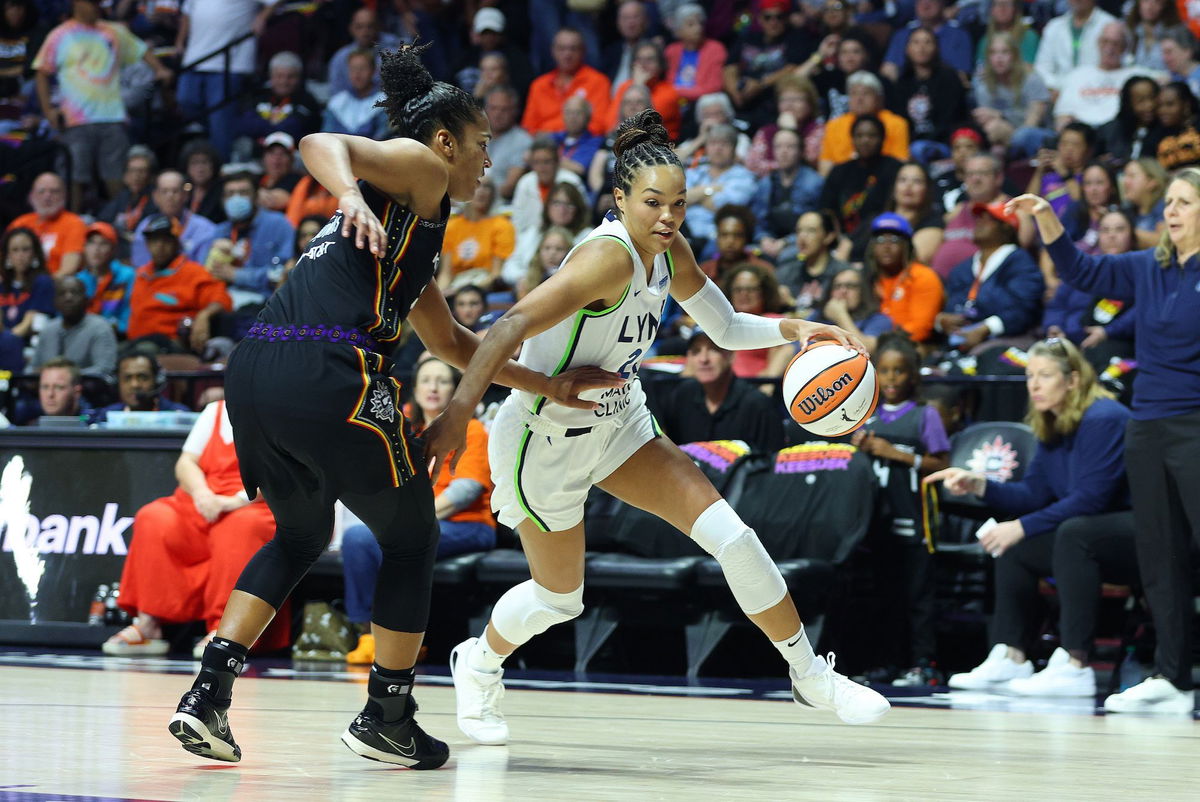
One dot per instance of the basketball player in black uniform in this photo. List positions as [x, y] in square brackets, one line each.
[316, 411]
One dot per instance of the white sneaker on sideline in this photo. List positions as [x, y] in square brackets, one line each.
[829, 690]
[1153, 695]
[997, 668]
[1058, 678]
[478, 695]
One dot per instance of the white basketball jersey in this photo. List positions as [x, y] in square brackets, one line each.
[614, 339]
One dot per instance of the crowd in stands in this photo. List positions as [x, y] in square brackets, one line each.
[845, 162]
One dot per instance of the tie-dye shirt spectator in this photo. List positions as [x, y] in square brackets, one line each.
[87, 59]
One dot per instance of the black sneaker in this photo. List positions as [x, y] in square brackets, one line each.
[203, 727]
[402, 742]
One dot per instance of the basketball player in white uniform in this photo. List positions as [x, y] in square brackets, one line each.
[602, 308]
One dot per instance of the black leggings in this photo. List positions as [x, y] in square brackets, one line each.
[1081, 554]
[402, 520]
[1162, 459]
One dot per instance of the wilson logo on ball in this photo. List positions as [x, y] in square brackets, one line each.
[823, 395]
[830, 389]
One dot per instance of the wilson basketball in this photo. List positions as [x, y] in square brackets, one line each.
[830, 389]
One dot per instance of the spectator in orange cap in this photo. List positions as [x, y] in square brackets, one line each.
[108, 280]
[998, 291]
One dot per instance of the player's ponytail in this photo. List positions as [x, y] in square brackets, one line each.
[416, 105]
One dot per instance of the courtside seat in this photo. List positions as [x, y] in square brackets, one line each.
[457, 570]
[502, 567]
[642, 573]
[810, 582]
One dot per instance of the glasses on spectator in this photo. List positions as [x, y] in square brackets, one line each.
[889, 239]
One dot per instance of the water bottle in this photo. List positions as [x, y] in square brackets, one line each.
[96, 611]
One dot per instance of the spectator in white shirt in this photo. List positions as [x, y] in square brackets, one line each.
[1071, 40]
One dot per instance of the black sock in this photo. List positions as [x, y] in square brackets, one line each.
[389, 692]
[223, 660]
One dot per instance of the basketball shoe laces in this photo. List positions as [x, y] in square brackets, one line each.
[839, 688]
[489, 701]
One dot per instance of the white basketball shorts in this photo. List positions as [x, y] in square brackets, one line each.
[546, 478]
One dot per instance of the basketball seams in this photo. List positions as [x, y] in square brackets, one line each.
[803, 391]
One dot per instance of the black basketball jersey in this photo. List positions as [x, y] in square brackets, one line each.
[336, 283]
[900, 483]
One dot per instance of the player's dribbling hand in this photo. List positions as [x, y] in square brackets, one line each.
[357, 215]
[445, 439]
[958, 481]
[564, 389]
[805, 331]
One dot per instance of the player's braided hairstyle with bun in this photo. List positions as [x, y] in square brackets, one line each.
[641, 141]
[416, 105]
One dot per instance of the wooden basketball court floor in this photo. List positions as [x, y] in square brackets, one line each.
[75, 727]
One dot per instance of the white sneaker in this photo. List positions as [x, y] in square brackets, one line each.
[995, 669]
[829, 690]
[1153, 695]
[1058, 678]
[478, 695]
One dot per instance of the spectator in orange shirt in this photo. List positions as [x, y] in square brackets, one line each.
[62, 233]
[649, 70]
[461, 503]
[547, 93]
[171, 287]
[476, 242]
[866, 97]
[910, 293]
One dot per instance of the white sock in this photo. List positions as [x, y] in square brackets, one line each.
[481, 658]
[799, 654]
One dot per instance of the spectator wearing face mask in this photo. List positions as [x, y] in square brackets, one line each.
[252, 246]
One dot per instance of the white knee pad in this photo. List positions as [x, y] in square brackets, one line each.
[530, 609]
[753, 577]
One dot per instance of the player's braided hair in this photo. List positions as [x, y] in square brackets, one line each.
[416, 105]
[641, 141]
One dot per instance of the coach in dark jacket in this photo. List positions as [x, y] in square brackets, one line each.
[1162, 441]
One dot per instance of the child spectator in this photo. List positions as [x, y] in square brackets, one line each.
[107, 280]
[906, 442]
